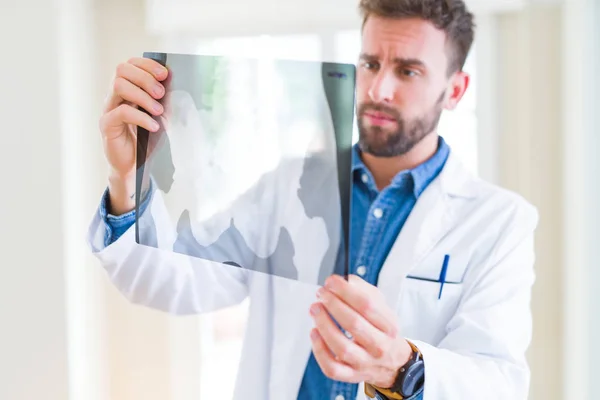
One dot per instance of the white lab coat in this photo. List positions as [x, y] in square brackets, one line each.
[473, 339]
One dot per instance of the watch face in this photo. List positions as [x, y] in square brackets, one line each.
[413, 379]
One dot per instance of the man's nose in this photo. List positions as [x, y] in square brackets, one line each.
[382, 88]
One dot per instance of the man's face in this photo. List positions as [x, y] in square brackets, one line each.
[402, 84]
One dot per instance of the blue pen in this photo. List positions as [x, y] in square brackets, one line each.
[443, 274]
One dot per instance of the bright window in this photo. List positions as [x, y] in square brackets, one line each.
[295, 47]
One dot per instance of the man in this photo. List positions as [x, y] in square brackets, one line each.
[438, 303]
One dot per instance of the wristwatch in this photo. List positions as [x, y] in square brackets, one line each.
[409, 381]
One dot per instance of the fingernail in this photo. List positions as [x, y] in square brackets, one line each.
[320, 293]
[158, 90]
[158, 107]
[155, 126]
[315, 309]
[160, 70]
[314, 335]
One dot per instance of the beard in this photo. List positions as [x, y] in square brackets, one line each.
[382, 142]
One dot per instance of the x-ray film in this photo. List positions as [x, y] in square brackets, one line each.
[251, 168]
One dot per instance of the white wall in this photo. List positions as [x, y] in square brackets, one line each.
[592, 176]
[79, 103]
[530, 135]
[581, 144]
[33, 344]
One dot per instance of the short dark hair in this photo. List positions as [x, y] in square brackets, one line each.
[451, 16]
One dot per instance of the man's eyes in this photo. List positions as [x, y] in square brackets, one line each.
[408, 73]
[370, 65]
[402, 72]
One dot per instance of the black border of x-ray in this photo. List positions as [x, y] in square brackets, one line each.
[343, 128]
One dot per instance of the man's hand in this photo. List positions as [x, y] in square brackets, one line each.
[137, 84]
[375, 352]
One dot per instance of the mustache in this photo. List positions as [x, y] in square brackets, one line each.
[392, 112]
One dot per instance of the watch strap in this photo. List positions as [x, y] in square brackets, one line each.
[371, 390]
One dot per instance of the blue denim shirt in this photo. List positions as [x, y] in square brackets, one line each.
[377, 218]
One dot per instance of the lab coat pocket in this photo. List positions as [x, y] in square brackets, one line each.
[424, 311]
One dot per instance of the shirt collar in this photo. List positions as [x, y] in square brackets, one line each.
[421, 175]
[424, 173]
[357, 163]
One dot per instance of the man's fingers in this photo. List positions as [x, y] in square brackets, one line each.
[159, 72]
[342, 347]
[366, 300]
[145, 79]
[129, 92]
[128, 115]
[369, 337]
[142, 79]
[385, 318]
[331, 367]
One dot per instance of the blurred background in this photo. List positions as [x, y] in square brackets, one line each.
[530, 122]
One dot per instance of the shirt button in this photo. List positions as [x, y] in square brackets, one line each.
[364, 178]
[339, 397]
[378, 213]
[362, 270]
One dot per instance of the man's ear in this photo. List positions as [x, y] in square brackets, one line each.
[456, 89]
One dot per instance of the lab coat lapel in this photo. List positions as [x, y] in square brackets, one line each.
[432, 217]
